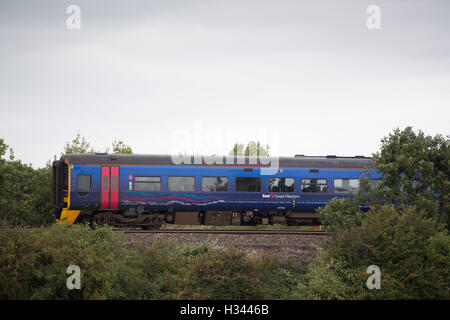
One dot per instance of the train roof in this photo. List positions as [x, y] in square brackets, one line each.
[299, 161]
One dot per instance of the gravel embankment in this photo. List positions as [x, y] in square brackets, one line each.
[302, 247]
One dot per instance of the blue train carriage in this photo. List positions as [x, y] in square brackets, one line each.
[149, 190]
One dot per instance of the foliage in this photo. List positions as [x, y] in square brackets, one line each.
[252, 149]
[329, 279]
[412, 250]
[238, 150]
[33, 266]
[25, 193]
[340, 214]
[404, 231]
[78, 145]
[415, 170]
[119, 147]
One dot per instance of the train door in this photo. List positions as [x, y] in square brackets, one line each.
[110, 188]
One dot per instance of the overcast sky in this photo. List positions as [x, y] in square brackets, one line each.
[195, 76]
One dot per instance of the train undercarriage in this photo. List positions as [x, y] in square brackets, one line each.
[155, 219]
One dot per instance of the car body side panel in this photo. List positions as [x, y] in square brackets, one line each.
[201, 201]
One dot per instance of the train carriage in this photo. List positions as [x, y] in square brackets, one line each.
[148, 190]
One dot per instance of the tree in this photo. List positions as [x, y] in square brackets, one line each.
[25, 193]
[404, 230]
[340, 214]
[252, 149]
[78, 145]
[3, 148]
[119, 147]
[412, 251]
[256, 149]
[415, 169]
[238, 150]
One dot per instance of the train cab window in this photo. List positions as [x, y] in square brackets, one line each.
[248, 184]
[84, 182]
[281, 184]
[147, 184]
[182, 184]
[214, 184]
[314, 185]
[346, 185]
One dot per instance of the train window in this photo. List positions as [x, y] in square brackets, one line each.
[84, 182]
[147, 184]
[374, 183]
[214, 184]
[346, 185]
[114, 183]
[181, 184]
[314, 185]
[105, 183]
[247, 184]
[281, 184]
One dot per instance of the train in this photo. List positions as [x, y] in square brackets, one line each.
[150, 190]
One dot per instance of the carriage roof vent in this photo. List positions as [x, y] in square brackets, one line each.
[299, 155]
[331, 156]
[101, 153]
[359, 157]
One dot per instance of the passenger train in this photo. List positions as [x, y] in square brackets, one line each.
[149, 190]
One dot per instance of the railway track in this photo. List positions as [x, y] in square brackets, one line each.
[208, 231]
[227, 231]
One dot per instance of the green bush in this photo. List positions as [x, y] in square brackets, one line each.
[33, 266]
[25, 192]
[224, 274]
[415, 170]
[412, 250]
[33, 263]
[329, 279]
[340, 214]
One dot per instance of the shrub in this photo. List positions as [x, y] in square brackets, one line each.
[33, 266]
[412, 250]
[330, 278]
[223, 273]
[340, 214]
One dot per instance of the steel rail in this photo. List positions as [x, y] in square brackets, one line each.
[207, 231]
[227, 231]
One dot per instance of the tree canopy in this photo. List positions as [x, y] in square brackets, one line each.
[252, 149]
[119, 147]
[415, 170]
[80, 145]
[405, 231]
